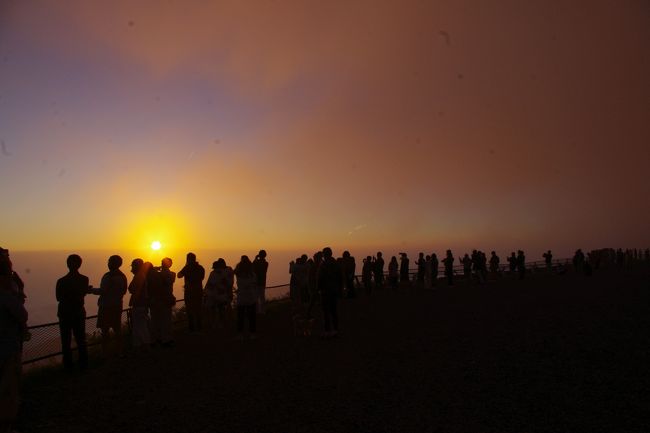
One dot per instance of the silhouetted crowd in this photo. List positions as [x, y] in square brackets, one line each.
[321, 279]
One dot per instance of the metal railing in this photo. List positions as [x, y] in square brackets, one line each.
[45, 340]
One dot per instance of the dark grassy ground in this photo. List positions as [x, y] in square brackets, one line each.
[550, 354]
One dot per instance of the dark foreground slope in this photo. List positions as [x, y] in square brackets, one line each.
[550, 354]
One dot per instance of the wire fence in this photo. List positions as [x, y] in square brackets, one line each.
[45, 339]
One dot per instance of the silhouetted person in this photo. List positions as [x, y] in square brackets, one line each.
[404, 268]
[139, 303]
[314, 265]
[161, 300]
[366, 274]
[247, 296]
[378, 270]
[475, 263]
[393, 273]
[17, 283]
[329, 285]
[434, 269]
[494, 263]
[193, 273]
[218, 292]
[294, 293]
[427, 271]
[481, 266]
[112, 289]
[579, 260]
[70, 293]
[548, 260]
[13, 325]
[348, 268]
[512, 263]
[299, 271]
[596, 257]
[521, 264]
[448, 261]
[422, 269]
[260, 267]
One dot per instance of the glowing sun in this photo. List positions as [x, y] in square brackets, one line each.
[155, 245]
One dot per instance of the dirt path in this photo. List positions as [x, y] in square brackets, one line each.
[551, 354]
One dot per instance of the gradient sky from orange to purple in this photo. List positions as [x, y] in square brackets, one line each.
[296, 124]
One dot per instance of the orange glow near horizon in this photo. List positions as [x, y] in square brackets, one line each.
[157, 233]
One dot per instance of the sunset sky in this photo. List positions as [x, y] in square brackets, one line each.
[291, 124]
